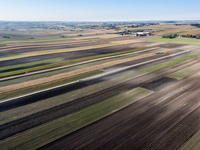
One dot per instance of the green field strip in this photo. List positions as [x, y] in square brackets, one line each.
[180, 74]
[34, 41]
[54, 51]
[191, 41]
[64, 70]
[173, 33]
[193, 143]
[30, 64]
[169, 63]
[61, 99]
[68, 62]
[53, 130]
[49, 85]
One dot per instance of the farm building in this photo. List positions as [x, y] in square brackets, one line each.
[140, 33]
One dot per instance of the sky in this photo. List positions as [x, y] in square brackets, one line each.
[99, 10]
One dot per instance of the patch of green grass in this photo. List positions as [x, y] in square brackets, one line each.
[179, 40]
[65, 63]
[53, 130]
[193, 143]
[49, 85]
[180, 74]
[30, 64]
[167, 64]
[34, 41]
[174, 33]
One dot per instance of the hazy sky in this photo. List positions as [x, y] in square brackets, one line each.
[99, 10]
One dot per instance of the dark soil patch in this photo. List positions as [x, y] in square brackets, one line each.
[159, 84]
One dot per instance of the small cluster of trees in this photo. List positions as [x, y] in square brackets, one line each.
[197, 25]
[5, 37]
[171, 36]
[189, 36]
[176, 35]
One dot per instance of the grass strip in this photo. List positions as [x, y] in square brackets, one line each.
[193, 143]
[173, 33]
[167, 64]
[30, 64]
[53, 130]
[34, 41]
[65, 63]
[48, 85]
[180, 74]
[190, 41]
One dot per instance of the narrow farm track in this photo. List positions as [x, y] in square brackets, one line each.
[139, 124]
[36, 119]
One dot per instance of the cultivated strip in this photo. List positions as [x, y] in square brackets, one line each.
[180, 74]
[193, 143]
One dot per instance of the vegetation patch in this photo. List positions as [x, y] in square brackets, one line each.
[179, 40]
[192, 142]
[53, 130]
[173, 33]
[180, 74]
[167, 64]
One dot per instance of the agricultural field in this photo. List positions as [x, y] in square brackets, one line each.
[98, 90]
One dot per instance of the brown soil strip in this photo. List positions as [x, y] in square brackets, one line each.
[75, 72]
[80, 63]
